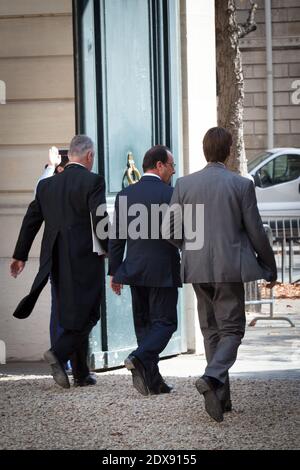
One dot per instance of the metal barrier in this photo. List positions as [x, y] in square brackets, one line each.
[2, 352]
[292, 243]
[270, 301]
[286, 235]
[284, 227]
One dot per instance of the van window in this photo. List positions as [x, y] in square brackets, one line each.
[260, 158]
[286, 168]
[280, 170]
[265, 175]
[294, 166]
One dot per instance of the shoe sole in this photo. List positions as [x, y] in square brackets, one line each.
[137, 380]
[212, 403]
[58, 374]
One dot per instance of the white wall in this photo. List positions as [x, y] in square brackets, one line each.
[200, 113]
[27, 339]
[36, 65]
[201, 76]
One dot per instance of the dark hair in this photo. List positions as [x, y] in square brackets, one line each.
[158, 153]
[216, 144]
[64, 159]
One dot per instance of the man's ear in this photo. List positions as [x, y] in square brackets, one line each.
[89, 155]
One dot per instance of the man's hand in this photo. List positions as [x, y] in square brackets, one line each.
[16, 267]
[271, 285]
[54, 156]
[115, 287]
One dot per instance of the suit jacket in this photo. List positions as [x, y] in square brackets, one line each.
[64, 202]
[148, 262]
[236, 247]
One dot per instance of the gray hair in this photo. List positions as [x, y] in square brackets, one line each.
[80, 145]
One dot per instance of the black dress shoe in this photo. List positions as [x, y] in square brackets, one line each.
[58, 371]
[163, 387]
[223, 393]
[134, 365]
[226, 405]
[212, 403]
[89, 380]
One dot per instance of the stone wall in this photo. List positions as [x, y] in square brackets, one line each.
[286, 70]
[36, 112]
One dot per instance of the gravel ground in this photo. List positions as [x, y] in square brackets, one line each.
[36, 414]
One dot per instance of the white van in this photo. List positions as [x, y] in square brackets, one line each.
[276, 175]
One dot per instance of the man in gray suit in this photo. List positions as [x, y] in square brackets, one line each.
[235, 250]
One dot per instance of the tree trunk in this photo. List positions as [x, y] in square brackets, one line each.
[230, 80]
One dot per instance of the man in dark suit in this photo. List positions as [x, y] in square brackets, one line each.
[236, 249]
[57, 163]
[151, 268]
[67, 203]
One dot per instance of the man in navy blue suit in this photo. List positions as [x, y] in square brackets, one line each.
[151, 267]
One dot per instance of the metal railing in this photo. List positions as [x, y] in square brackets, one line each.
[255, 300]
[269, 301]
[288, 250]
[286, 246]
[284, 227]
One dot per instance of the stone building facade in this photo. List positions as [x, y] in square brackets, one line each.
[286, 76]
[36, 65]
[37, 110]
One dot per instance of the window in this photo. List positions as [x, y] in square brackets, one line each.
[258, 160]
[279, 170]
[286, 168]
[265, 175]
[293, 167]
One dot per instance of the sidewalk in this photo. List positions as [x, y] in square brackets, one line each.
[37, 414]
[269, 349]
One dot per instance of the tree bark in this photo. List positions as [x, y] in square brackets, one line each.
[230, 80]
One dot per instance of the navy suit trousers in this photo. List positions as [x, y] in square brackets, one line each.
[155, 320]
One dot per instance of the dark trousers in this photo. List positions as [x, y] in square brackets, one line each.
[73, 345]
[155, 320]
[55, 329]
[221, 311]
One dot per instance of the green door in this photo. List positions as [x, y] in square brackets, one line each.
[127, 99]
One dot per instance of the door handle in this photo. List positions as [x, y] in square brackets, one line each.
[131, 174]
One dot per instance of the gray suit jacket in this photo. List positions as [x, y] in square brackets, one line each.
[235, 246]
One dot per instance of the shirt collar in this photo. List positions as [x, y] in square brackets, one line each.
[75, 163]
[152, 174]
